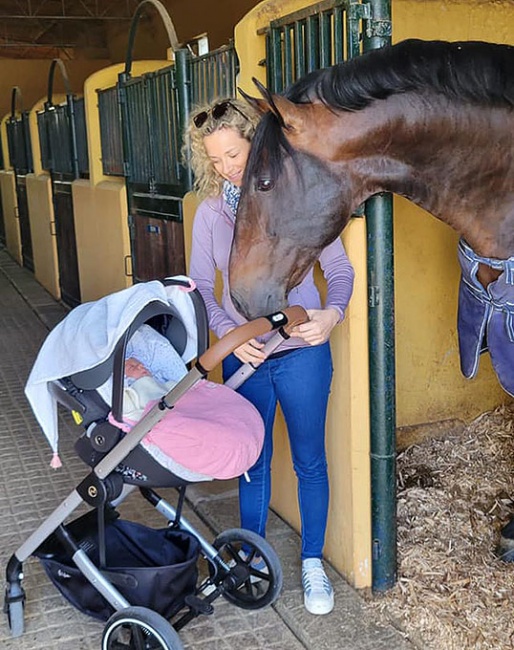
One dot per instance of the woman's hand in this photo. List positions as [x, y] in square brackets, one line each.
[250, 352]
[319, 326]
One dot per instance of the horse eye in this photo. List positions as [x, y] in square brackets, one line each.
[265, 184]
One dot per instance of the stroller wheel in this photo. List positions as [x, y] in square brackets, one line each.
[15, 617]
[139, 628]
[255, 578]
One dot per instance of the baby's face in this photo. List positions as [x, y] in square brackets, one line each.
[135, 369]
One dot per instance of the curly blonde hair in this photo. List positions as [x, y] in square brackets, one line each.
[239, 116]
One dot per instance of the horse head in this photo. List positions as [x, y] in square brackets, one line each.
[288, 210]
[407, 119]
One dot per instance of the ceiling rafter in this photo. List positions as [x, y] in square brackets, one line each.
[68, 9]
[31, 28]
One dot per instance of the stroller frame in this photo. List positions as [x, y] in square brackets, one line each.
[232, 574]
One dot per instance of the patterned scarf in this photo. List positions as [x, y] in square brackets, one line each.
[231, 194]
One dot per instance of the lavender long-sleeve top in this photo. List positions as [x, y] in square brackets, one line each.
[213, 230]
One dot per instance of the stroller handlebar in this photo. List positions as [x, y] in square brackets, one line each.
[283, 320]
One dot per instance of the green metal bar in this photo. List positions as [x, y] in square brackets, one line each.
[299, 49]
[221, 75]
[312, 43]
[325, 40]
[211, 79]
[276, 67]
[379, 222]
[183, 81]
[270, 62]
[174, 134]
[288, 58]
[338, 35]
[353, 29]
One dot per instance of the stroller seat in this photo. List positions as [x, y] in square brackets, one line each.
[212, 432]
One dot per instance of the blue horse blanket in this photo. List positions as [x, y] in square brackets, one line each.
[486, 317]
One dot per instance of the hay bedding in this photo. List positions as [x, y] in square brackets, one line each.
[454, 495]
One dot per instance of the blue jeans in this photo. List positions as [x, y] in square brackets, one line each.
[300, 381]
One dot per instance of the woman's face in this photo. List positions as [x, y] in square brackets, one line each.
[228, 152]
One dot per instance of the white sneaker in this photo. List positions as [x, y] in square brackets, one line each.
[318, 595]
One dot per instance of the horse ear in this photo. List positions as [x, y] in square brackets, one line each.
[287, 113]
[259, 104]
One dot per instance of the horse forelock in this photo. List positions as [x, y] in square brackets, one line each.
[469, 71]
[269, 147]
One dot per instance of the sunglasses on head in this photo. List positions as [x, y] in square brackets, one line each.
[217, 112]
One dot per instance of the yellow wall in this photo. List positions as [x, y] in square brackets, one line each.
[3, 137]
[9, 200]
[41, 210]
[10, 212]
[42, 228]
[103, 243]
[430, 386]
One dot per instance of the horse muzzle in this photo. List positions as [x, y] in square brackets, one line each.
[258, 301]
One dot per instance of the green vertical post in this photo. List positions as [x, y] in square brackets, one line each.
[182, 79]
[379, 224]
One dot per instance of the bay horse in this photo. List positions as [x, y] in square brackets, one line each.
[432, 121]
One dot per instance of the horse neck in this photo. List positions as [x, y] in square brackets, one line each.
[454, 161]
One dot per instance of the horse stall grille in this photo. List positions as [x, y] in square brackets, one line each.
[20, 153]
[142, 121]
[213, 75]
[155, 185]
[110, 132]
[58, 136]
[312, 38]
[81, 137]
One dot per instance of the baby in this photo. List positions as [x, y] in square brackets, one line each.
[152, 368]
[134, 369]
[211, 432]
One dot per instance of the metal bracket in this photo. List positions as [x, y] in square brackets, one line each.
[373, 296]
[379, 28]
[358, 11]
[128, 266]
[373, 27]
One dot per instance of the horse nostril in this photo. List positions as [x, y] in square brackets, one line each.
[271, 304]
[240, 304]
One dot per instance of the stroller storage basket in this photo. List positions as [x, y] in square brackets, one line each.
[150, 568]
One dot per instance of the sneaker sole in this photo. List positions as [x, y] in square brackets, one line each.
[320, 610]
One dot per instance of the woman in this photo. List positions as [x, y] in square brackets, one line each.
[298, 375]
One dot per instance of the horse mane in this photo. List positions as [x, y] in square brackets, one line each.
[469, 71]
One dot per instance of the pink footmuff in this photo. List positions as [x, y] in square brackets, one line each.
[212, 430]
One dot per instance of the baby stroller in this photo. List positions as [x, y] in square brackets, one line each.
[143, 582]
